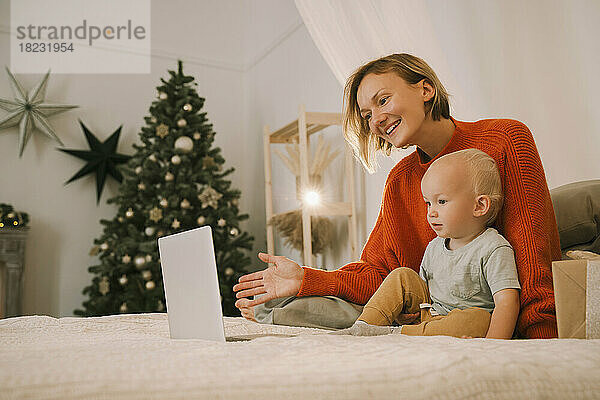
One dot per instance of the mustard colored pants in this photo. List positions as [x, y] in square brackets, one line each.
[403, 291]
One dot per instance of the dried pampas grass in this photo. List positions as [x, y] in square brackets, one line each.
[289, 224]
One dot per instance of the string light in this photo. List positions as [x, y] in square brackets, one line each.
[312, 197]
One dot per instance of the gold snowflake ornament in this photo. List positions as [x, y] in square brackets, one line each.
[162, 131]
[156, 214]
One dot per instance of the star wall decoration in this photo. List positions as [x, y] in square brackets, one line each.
[29, 111]
[101, 158]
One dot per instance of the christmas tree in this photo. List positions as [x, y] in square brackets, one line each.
[175, 181]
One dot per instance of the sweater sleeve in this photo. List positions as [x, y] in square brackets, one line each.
[357, 281]
[529, 224]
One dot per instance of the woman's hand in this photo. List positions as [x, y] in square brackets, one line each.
[281, 279]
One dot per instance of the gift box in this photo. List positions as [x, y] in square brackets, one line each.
[577, 297]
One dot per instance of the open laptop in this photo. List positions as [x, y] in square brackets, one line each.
[191, 287]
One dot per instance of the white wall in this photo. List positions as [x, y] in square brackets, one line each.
[292, 73]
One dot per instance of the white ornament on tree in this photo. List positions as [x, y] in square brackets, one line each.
[197, 136]
[162, 95]
[138, 170]
[201, 220]
[126, 259]
[104, 246]
[184, 143]
[146, 274]
[181, 123]
[141, 186]
[176, 224]
[187, 107]
[229, 271]
[176, 160]
[221, 222]
[129, 213]
[139, 261]
[153, 119]
[148, 258]
[123, 280]
[234, 232]
[123, 307]
[149, 231]
[169, 177]
[185, 204]
[150, 285]
[164, 203]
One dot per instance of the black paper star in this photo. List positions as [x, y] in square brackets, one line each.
[102, 158]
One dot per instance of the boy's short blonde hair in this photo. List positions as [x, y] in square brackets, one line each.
[356, 129]
[485, 177]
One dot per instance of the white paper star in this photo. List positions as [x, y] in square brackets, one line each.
[28, 110]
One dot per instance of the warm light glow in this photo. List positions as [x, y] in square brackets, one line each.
[312, 198]
[1, 225]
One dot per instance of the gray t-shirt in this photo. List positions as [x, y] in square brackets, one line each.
[469, 276]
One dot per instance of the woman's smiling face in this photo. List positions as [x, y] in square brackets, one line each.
[393, 109]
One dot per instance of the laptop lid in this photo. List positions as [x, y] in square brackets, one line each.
[191, 285]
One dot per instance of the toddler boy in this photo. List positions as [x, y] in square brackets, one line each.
[468, 284]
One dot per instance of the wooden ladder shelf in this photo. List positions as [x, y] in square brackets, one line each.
[298, 132]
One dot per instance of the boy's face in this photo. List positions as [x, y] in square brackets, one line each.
[448, 193]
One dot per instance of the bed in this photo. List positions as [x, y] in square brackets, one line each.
[131, 356]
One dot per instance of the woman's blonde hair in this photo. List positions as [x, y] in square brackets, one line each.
[356, 129]
[485, 178]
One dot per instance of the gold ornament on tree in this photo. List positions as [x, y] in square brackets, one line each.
[156, 214]
[209, 198]
[187, 107]
[104, 286]
[162, 131]
[176, 224]
[208, 162]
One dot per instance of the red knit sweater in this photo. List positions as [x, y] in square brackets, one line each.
[401, 232]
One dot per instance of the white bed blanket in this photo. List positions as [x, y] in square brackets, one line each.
[132, 357]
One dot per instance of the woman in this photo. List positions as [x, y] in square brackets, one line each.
[398, 101]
